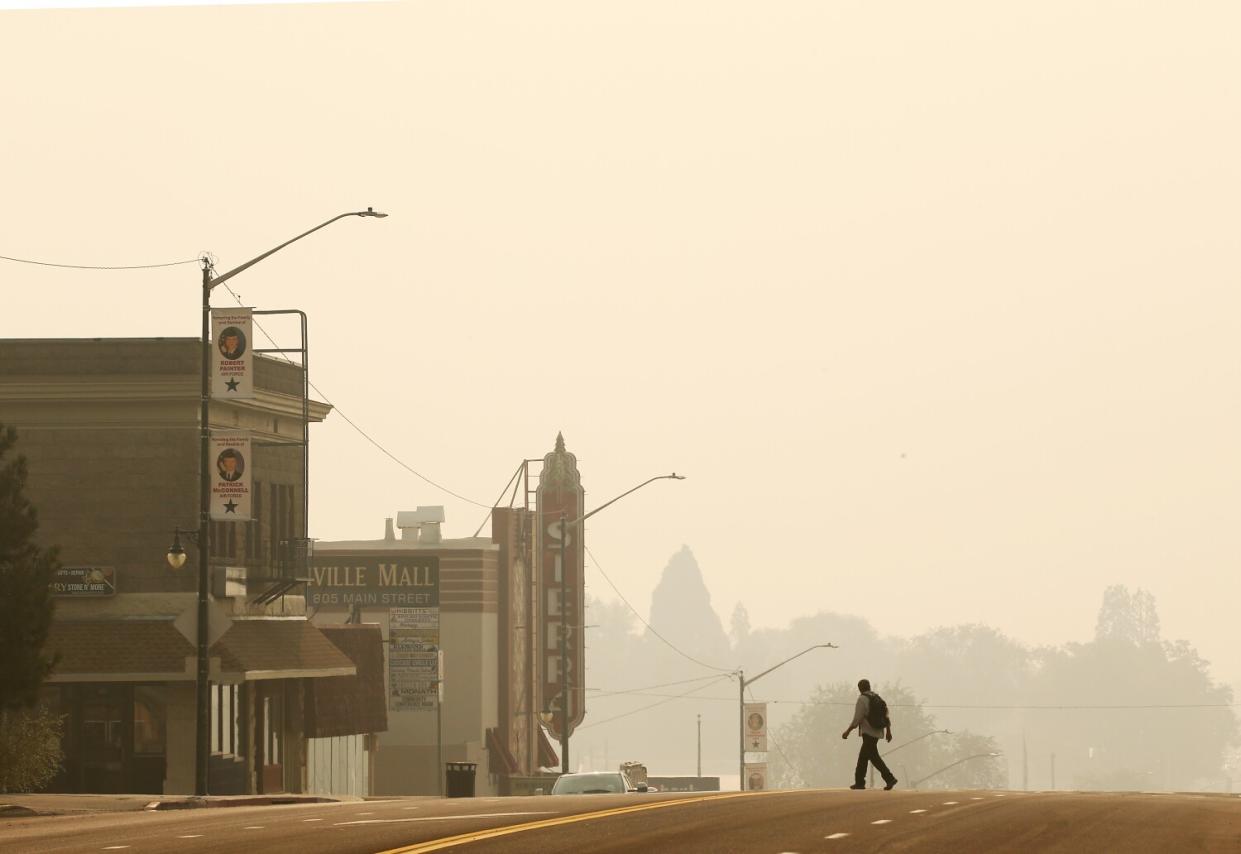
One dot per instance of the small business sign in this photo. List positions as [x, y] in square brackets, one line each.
[755, 727]
[232, 356]
[230, 476]
[84, 581]
[414, 659]
[755, 776]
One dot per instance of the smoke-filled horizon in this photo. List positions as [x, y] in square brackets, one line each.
[935, 304]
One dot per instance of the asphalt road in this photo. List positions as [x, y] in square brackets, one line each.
[767, 822]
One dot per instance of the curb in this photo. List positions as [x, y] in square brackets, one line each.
[260, 801]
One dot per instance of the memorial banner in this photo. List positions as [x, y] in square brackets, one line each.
[755, 727]
[230, 476]
[232, 359]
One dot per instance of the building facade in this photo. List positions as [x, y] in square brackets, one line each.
[110, 431]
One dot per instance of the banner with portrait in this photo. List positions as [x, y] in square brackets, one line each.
[755, 777]
[229, 460]
[755, 715]
[232, 354]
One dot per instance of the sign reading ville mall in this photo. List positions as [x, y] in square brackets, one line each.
[384, 581]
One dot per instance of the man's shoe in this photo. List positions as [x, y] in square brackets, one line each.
[857, 786]
[890, 784]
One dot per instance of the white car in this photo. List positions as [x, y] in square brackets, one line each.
[595, 783]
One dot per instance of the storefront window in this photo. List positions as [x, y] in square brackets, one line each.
[149, 719]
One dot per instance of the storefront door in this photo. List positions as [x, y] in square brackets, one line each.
[106, 737]
[270, 722]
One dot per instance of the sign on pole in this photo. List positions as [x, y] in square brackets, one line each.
[755, 727]
[230, 476]
[232, 357]
[755, 776]
[414, 659]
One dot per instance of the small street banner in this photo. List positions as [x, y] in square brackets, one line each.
[230, 476]
[232, 356]
[755, 776]
[84, 581]
[755, 727]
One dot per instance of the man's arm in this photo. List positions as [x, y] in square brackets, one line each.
[859, 715]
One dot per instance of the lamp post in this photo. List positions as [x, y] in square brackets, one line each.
[564, 629]
[915, 783]
[742, 684]
[202, 708]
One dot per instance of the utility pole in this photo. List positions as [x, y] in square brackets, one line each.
[1025, 765]
[742, 682]
[1053, 772]
[202, 684]
[700, 747]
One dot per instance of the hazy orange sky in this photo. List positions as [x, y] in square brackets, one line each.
[936, 303]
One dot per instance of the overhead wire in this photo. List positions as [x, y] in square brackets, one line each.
[359, 430]
[640, 692]
[99, 266]
[652, 629]
[683, 696]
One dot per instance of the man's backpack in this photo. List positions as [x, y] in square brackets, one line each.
[877, 712]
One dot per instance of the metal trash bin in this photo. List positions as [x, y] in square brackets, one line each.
[459, 779]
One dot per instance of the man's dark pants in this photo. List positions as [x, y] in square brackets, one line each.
[870, 753]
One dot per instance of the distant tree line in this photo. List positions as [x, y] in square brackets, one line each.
[1126, 710]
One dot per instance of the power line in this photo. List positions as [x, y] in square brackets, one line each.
[99, 266]
[651, 628]
[641, 691]
[356, 427]
[691, 691]
[960, 707]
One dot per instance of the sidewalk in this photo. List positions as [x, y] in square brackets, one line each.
[14, 806]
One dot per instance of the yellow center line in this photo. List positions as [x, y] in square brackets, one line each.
[479, 835]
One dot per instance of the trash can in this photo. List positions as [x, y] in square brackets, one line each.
[459, 782]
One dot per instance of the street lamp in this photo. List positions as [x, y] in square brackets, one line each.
[176, 556]
[915, 783]
[906, 744]
[742, 684]
[564, 629]
[202, 707]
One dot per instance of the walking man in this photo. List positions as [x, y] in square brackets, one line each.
[871, 720]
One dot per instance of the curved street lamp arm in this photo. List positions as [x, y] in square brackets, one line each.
[219, 280]
[915, 783]
[673, 476]
[754, 679]
[919, 738]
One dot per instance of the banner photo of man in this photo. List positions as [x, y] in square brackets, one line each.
[232, 356]
[230, 477]
[756, 727]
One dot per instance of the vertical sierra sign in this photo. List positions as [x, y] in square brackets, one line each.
[232, 359]
[560, 495]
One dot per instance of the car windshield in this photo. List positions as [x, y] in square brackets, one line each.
[589, 784]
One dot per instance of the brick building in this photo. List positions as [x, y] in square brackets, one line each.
[110, 431]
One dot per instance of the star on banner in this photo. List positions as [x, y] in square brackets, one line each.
[231, 506]
[232, 385]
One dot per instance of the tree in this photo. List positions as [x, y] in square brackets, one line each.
[26, 572]
[808, 750]
[1127, 617]
[739, 626]
[1138, 712]
[29, 736]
